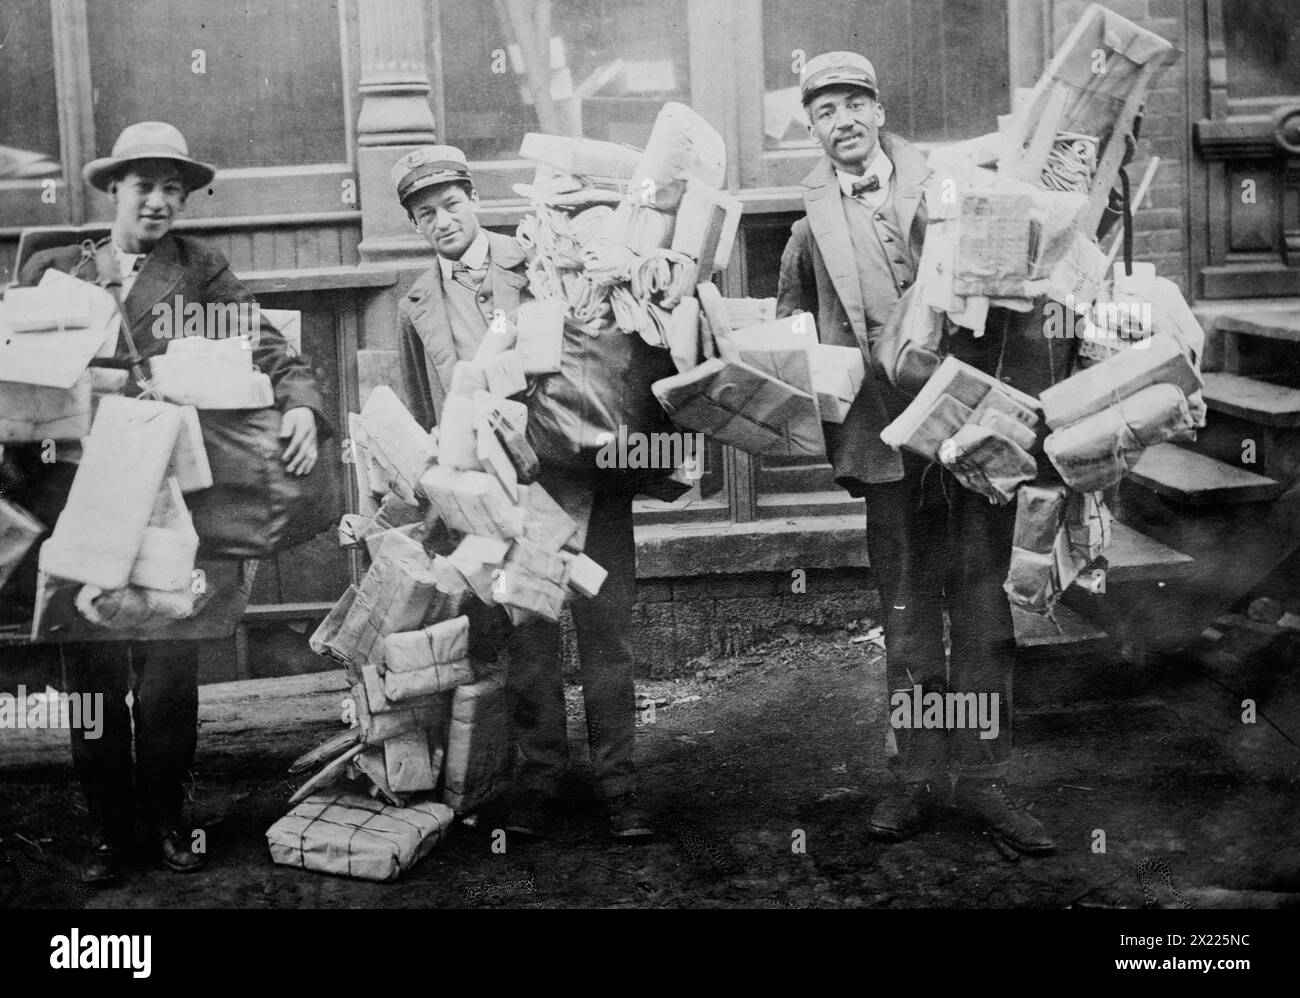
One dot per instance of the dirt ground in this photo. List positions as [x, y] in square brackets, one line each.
[747, 760]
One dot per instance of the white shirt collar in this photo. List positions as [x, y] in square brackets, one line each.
[474, 257]
[880, 165]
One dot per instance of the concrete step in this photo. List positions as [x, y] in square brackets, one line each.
[1196, 480]
[1274, 324]
[1248, 398]
[1133, 555]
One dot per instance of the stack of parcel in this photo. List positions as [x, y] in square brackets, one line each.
[456, 519]
[104, 479]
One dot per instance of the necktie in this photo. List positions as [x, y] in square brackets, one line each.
[471, 277]
[138, 265]
[866, 185]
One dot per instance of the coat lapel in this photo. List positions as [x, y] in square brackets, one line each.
[428, 312]
[157, 282]
[823, 202]
[911, 172]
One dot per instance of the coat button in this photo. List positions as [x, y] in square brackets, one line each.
[483, 298]
[879, 217]
[888, 239]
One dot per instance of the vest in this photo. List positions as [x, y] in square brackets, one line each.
[884, 258]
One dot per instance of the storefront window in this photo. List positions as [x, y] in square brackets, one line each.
[250, 84]
[29, 119]
[941, 64]
[1262, 38]
[608, 67]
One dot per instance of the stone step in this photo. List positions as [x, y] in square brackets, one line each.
[1248, 398]
[1196, 480]
[1036, 631]
[1133, 555]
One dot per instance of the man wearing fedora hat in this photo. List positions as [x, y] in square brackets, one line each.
[149, 176]
[480, 277]
[934, 545]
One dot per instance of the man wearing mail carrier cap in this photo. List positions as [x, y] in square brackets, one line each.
[480, 280]
[933, 544]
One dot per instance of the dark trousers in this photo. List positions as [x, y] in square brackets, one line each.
[604, 631]
[935, 545]
[163, 679]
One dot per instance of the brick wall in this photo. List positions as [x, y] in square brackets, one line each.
[1160, 230]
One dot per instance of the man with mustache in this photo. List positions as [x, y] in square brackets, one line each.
[480, 278]
[149, 177]
[933, 544]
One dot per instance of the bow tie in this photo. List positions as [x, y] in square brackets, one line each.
[866, 185]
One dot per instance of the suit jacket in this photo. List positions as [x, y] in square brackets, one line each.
[179, 265]
[426, 350]
[819, 274]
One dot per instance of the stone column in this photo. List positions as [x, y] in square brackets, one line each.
[395, 117]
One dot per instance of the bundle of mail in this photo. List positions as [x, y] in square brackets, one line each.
[1060, 539]
[1014, 215]
[762, 384]
[448, 519]
[123, 547]
[122, 553]
[622, 237]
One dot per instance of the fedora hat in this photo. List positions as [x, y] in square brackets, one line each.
[148, 140]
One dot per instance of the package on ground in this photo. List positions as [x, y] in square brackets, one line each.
[706, 226]
[211, 374]
[37, 412]
[837, 375]
[354, 836]
[169, 546]
[541, 335]
[472, 502]
[407, 763]
[478, 560]
[124, 459]
[1098, 450]
[987, 462]
[947, 401]
[546, 523]
[323, 639]
[740, 405]
[682, 145]
[1160, 361]
[477, 761]
[582, 574]
[19, 530]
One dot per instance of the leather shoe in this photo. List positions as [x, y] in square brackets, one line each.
[902, 814]
[531, 814]
[104, 864]
[1006, 819]
[177, 857]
